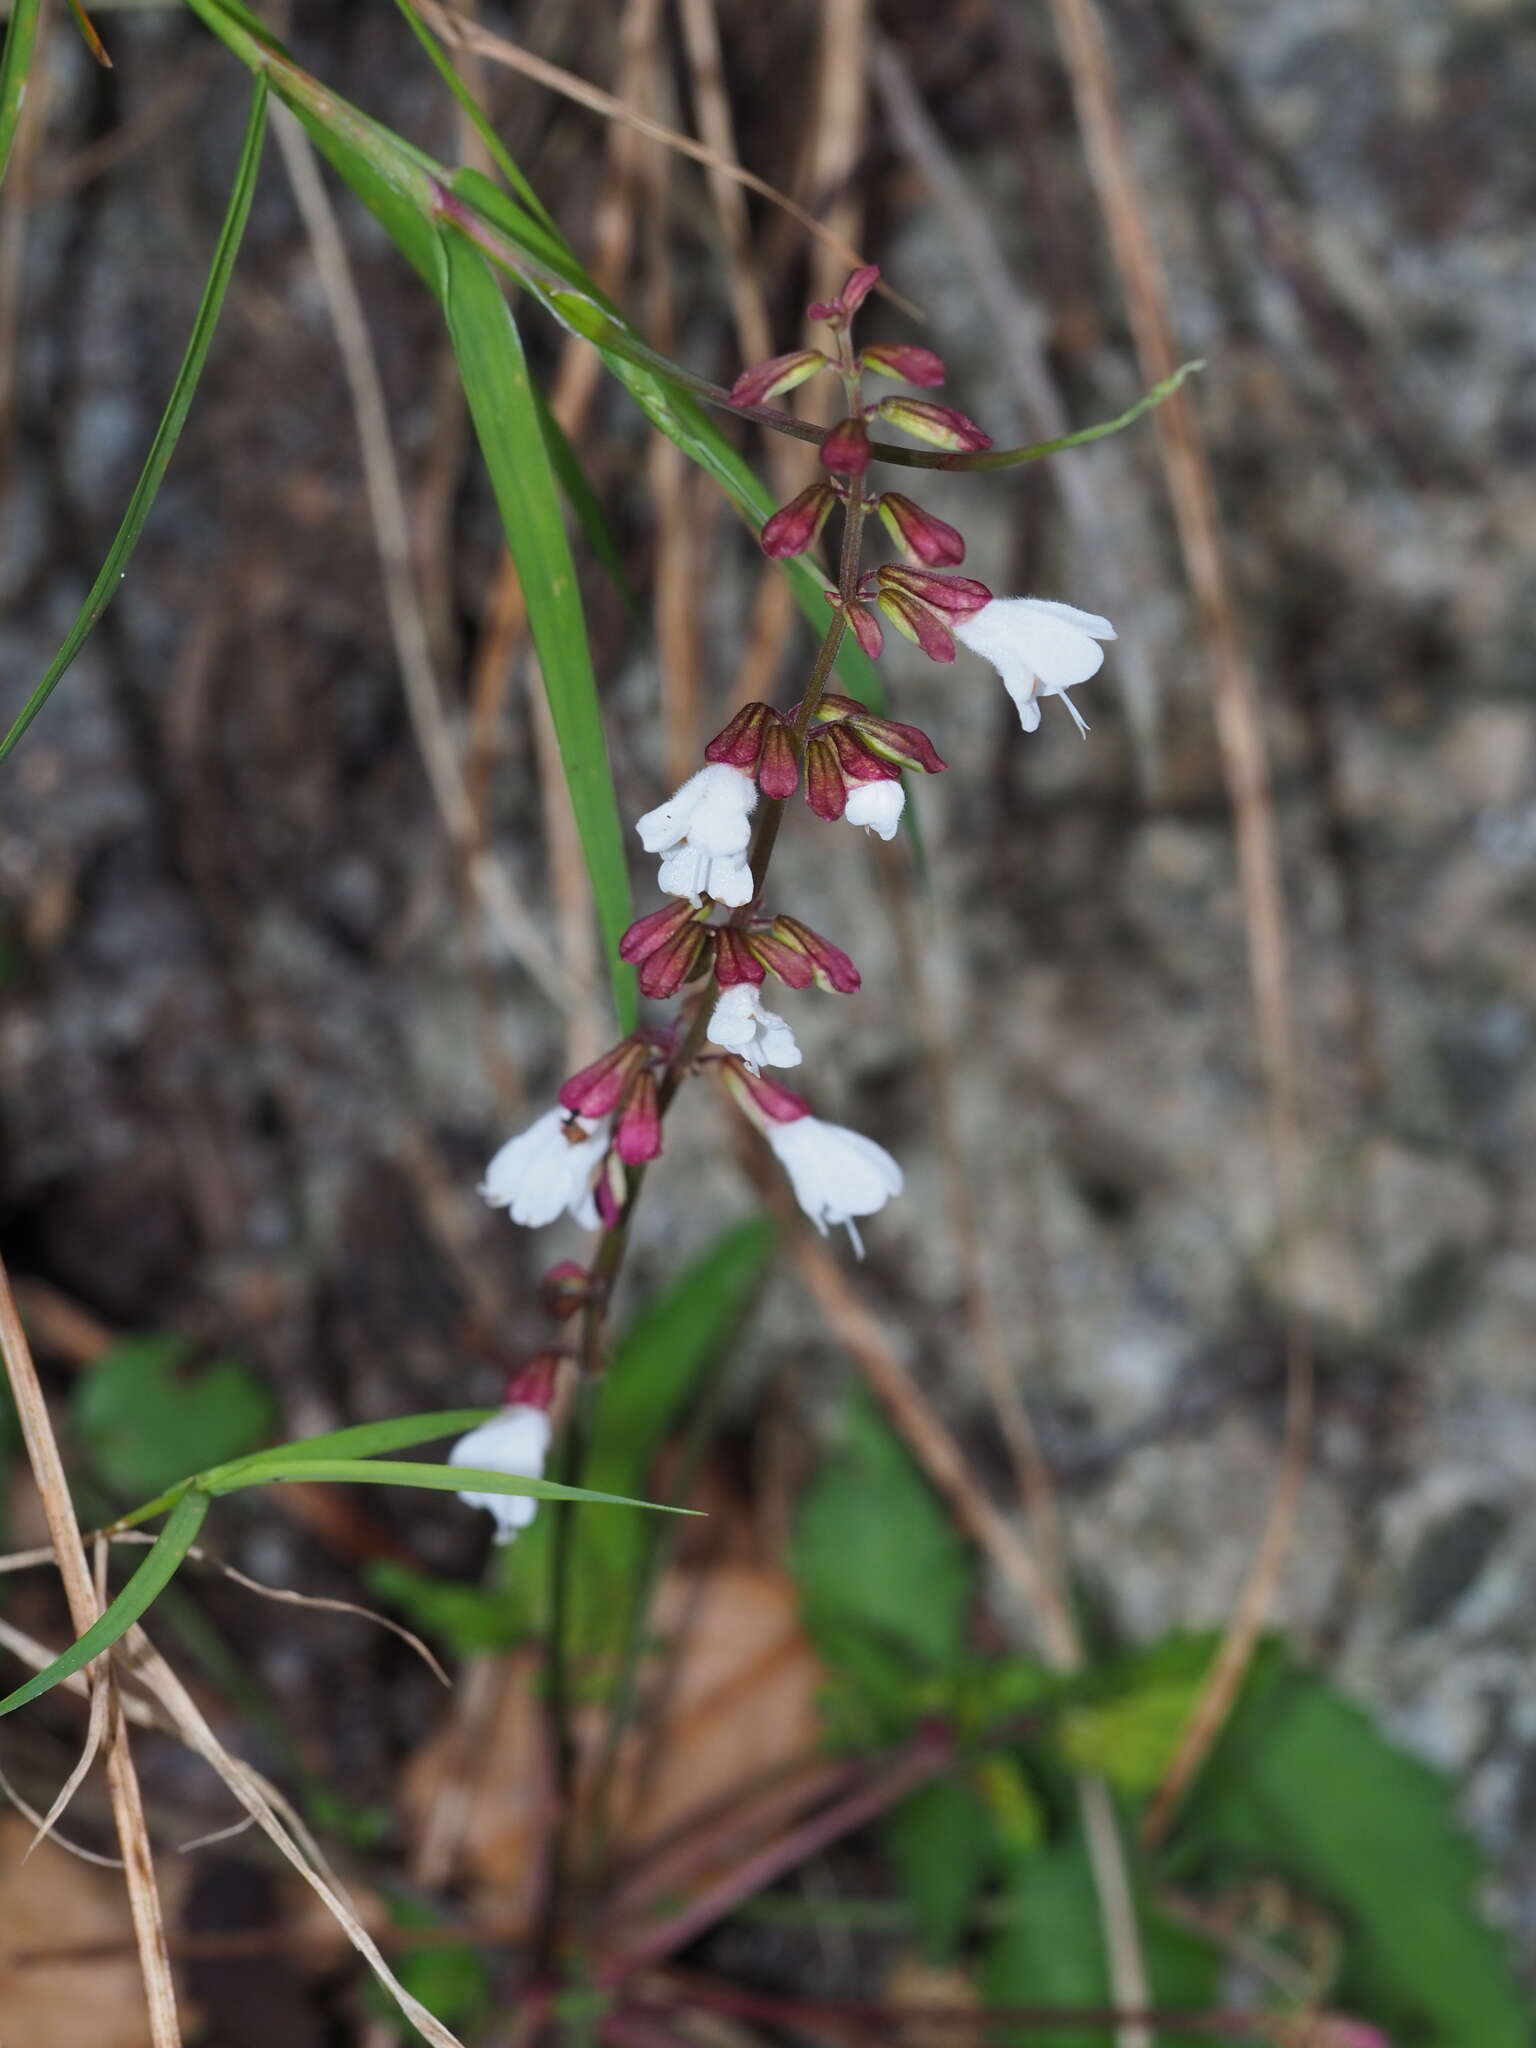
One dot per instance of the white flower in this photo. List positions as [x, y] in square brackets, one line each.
[878, 805]
[1039, 648]
[547, 1168]
[702, 832]
[515, 1441]
[754, 1033]
[836, 1173]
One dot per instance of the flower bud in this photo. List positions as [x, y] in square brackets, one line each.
[920, 536]
[830, 966]
[907, 745]
[866, 630]
[762, 1100]
[779, 374]
[846, 448]
[648, 934]
[610, 1189]
[681, 959]
[797, 525]
[638, 1135]
[792, 968]
[734, 962]
[596, 1090]
[940, 425]
[955, 596]
[918, 623]
[564, 1291]
[741, 742]
[778, 772]
[532, 1384]
[834, 763]
[850, 298]
[906, 361]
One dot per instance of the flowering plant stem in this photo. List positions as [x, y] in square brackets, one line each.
[592, 1345]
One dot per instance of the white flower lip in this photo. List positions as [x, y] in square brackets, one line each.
[547, 1168]
[1039, 647]
[516, 1442]
[836, 1173]
[702, 832]
[877, 806]
[743, 1024]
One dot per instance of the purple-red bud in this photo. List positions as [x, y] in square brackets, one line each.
[846, 448]
[791, 967]
[955, 596]
[940, 425]
[565, 1290]
[596, 1090]
[734, 961]
[638, 1136]
[830, 966]
[760, 1097]
[825, 790]
[859, 287]
[741, 742]
[866, 630]
[920, 536]
[610, 1188]
[778, 772]
[532, 1385]
[779, 374]
[918, 623]
[906, 361]
[679, 960]
[797, 525]
[649, 933]
[907, 745]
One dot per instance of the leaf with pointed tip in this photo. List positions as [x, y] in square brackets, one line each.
[434, 1478]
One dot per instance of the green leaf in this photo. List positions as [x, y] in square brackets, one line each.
[507, 424]
[587, 506]
[1304, 1786]
[368, 1439]
[152, 1577]
[146, 1418]
[267, 1470]
[15, 63]
[1128, 1717]
[114, 568]
[942, 1843]
[874, 1552]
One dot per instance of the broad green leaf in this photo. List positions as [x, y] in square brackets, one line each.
[435, 1478]
[15, 64]
[152, 1577]
[146, 1417]
[1123, 1720]
[873, 1552]
[114, 568]
[506, 420]
[942, 1844]
[1049, 1951]
[1304, 1786]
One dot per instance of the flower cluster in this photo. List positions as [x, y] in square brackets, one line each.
[712, 945]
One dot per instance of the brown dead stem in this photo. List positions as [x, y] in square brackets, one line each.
[122, 1779]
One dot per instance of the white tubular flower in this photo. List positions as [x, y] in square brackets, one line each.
[515, 1441]
[1039, 648]
[757, 1035]
[547, 1168]
[877, 806]
[836, 1173]
[702, 832]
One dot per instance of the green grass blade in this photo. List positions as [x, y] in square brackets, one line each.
[587, 506]
[151, 1579]
[435, 1478]
[506, 418]
[360, 1440]
[113, 569]
[15, 63]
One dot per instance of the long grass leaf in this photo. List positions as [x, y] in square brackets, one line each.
[152, 1577]
[436, 1478]
[15, 63]
[114, 568]
[362, 1439]
[506, 419]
